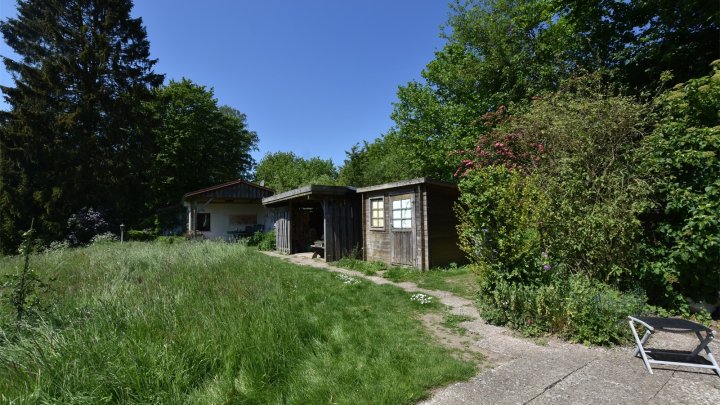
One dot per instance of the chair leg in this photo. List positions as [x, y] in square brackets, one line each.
[640, 343]
[710, 356]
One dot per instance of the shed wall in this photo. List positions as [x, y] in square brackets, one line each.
[442, 222]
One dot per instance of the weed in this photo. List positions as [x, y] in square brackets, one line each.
[453, 321]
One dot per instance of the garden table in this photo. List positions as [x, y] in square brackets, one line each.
[692, 358]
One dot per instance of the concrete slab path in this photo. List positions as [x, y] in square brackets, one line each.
[525, 372]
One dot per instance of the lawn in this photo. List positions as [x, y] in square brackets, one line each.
[214, 323]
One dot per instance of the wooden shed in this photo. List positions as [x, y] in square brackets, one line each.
[315, 215]
[411, 223]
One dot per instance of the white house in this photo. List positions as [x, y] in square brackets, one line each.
[228, 210]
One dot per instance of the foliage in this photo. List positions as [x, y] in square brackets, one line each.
[141, 236]
[23, 289]
[199, 143]
[457, 280]
[263, 240]
[683, 157]
[550, 207]
[365, 267]
[76, 133]
[169, 240]
[575, 206]
[505, 52]
[104, 238]
[284, 171]
[500, 214]
[83, 225]
[218, 323]
[572, 306]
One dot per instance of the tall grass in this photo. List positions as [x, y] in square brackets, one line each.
[214, 323]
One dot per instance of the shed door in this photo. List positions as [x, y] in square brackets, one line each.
[401, 230]
[282, 231]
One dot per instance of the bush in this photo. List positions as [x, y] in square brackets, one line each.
[170, 239]
[263, 240]
[683, 157]
[104, 238]
[141, 236]
[574, 307]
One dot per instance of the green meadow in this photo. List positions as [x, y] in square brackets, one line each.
[213, 323]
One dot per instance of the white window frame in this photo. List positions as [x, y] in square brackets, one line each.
[380, 224]
[402, 214]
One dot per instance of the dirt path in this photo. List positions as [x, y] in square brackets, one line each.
[519, 370]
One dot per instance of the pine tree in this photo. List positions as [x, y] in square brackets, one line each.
[77, 133]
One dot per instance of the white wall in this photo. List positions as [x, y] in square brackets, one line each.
[220, 217]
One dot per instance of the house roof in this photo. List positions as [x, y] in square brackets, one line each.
[236, 189]
[313, 191]
[405, 183]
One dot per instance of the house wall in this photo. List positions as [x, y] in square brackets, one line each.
[220, 214]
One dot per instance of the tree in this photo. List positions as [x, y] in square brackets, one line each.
[76, 134]
[284, 171]
[505, 52]
[198, 142]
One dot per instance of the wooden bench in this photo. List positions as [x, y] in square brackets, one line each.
[317, 250]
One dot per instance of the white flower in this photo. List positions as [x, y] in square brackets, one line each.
[421, 298]
[347, 279]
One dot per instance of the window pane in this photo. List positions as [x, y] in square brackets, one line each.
[396, 205]
[406, 223]
[397, 223]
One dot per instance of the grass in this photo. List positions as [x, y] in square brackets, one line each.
[367, 268]
[214, 323]
[460, 281]
[453, 321]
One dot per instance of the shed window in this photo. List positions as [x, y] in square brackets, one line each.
[202, 221]
[402, 214]
[377, 213]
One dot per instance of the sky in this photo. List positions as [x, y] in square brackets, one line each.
[314, 77]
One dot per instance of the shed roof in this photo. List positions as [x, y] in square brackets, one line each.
[405, 183]
[313, 191]
[236, 189]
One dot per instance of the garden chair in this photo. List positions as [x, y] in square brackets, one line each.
[649, 356]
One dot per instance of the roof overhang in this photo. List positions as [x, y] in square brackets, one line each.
[311, 192]
[406, 183]
[233, 191]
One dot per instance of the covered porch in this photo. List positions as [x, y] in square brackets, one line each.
[323, 219]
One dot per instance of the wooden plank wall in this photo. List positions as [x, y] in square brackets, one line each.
[282, 231]
[342, 228]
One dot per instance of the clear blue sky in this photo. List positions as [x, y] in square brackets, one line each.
[314, 77]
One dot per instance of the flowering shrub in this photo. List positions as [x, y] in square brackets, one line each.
[85, 224]
[553, 194]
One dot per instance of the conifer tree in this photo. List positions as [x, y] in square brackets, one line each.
[76, 133]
